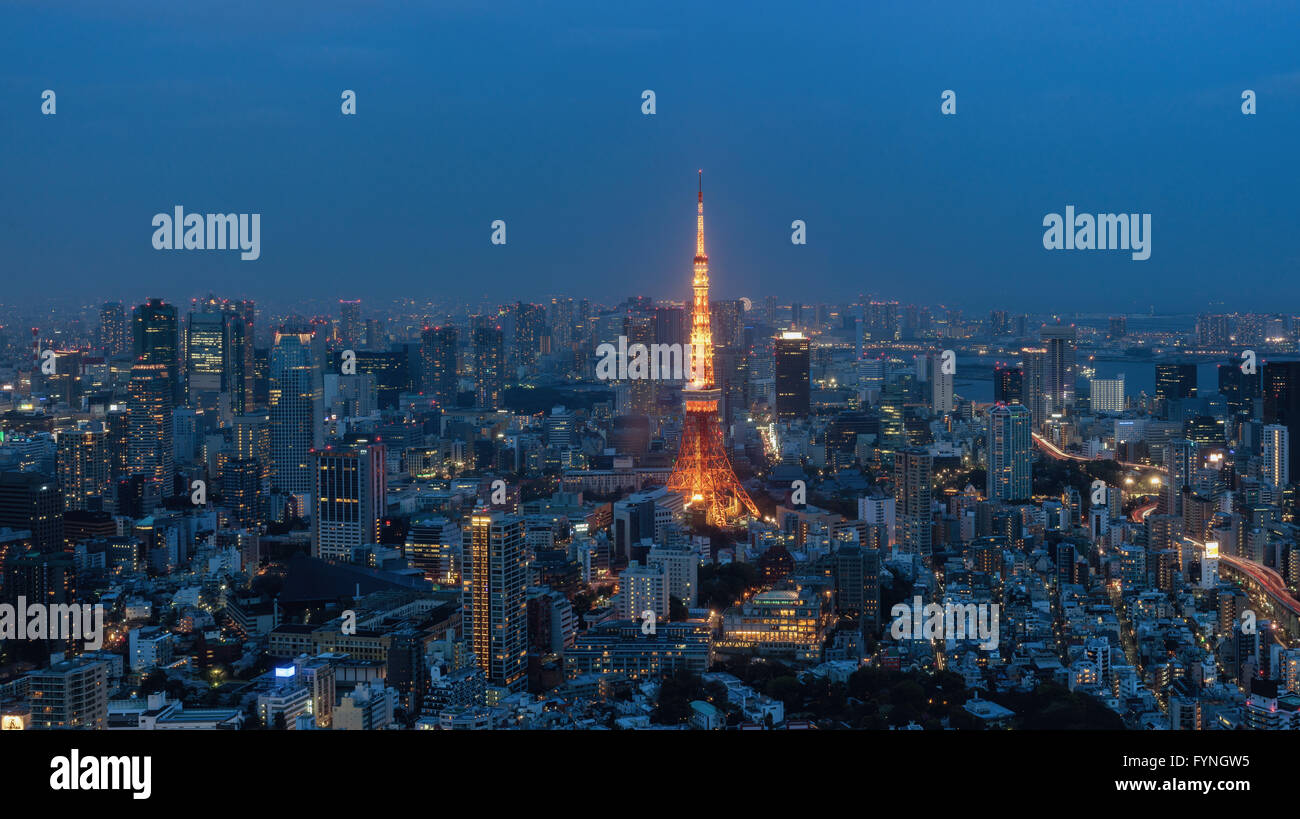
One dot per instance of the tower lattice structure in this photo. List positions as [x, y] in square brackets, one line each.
[702, 472]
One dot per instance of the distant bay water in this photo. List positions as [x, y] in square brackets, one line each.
[1139, 376]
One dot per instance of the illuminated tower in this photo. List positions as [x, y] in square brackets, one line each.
[149, 415]
[702, 472]
[494, 601]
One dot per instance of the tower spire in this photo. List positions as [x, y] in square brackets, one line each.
[699, 224]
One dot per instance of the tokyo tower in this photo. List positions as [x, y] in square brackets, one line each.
[702, 472]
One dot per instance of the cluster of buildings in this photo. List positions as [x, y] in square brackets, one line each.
[433, 517]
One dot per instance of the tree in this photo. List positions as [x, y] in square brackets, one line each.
[154, 682]
[675, 696]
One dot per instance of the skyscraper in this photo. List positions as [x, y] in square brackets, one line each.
[1173, 382]
[150, 420]
[641, 400]
[155, 340]
[241, 490]
[1277, 453]
[1007, 385]
[882, 320]
[857, 583]
[489, 367]
[1239, 390]
[84, 465]
[30, 501]
[251, 440]
[349, 500]
[930, 370]
[1059, 368]
[530, 325]
[913, 487]
[1010, 453]
[670, 326]
[350, 327]
[1033, 389]
[1180, 469]
[1282, 402]
[438, 358]
[493, 599]
[113, 337]
[791, 362]
[297, 411]
[216, 348]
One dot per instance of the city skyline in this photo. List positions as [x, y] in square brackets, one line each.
[354, 377]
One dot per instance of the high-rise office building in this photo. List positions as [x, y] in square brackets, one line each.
[1034, 384]
[1276, 446]
[493, 600]
[349, 499]
[216, 357]
[150, 422]
[1174, 382]
[930, 369]
[1106, 394]
[297, 411]
[1281, 390]
[204, 357]
[792, 371]
[434, 545]
[530, 327]
[438, 359]
[30, 501]
[251, 440]
[1180, 471]
[671, 325]
[1239, 389]
[640, 392]
[913, 488]
[1007, 385]
[857, 583]
[350, 326]
[882, 320]
[1059, 368]
[241, 490]
[1010, 453]
[84, 465]
[113, 337]
[489, 367]
[156, 340]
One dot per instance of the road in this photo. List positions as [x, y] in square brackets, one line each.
[1268, 580]
[1055, 452]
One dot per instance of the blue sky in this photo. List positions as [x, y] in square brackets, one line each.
[530, 112]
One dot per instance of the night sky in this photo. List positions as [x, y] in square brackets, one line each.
[531, 112]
